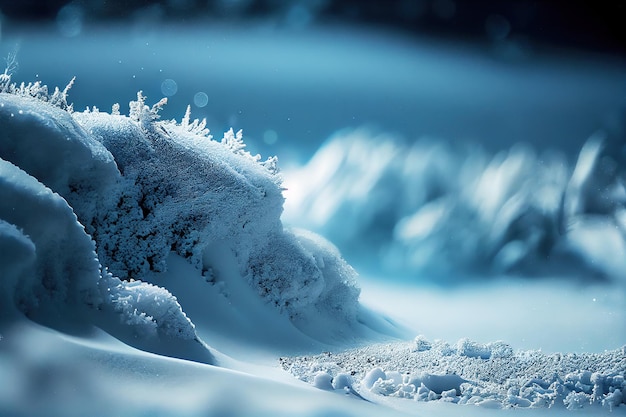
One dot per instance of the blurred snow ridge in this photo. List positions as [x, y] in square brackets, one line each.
[433, 211]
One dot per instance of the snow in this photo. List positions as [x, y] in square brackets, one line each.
[145, 269]
[429, 211]
[135, 203]
[471, 373]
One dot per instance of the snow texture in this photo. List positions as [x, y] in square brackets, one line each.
[101, 196]
[51, 272]
[470, 373]
[431, 210]
[96, 207]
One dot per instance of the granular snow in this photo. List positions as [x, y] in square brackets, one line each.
[490, 375]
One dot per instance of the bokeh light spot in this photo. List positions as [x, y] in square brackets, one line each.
[169, 87]
[200, 99]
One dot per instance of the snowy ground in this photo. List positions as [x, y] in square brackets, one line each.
[551, 316]
[47, 373]
[255, 311]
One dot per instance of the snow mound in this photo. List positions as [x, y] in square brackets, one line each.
[94, 203]
[429, 210]
[51, 274]
[488, 375]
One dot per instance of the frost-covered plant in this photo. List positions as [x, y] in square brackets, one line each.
[9, 69]
[144, 188]
[35, 89]
[234, 142]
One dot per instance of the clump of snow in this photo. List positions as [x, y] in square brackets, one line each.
[489, 375]
[153, 310]
[421, 343]
[433, 210]
[322, 380]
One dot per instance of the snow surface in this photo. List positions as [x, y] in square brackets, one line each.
[469, 373]
[145, 270]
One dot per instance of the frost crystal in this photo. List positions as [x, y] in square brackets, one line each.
[37, 91]
[234, 142]
[140, 112]
[196, 127]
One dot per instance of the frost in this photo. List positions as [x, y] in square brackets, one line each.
[196, 126]
[524, 379]
[38, 91]
[138, 189]
[235, 143]
[151, 309]
[144, 115]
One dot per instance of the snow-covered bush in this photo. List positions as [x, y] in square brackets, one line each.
[143, 188]
[50, 271]
[428, 209]
[179, 191]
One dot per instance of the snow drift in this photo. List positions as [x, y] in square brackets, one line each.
[433, 211]
[94, 203]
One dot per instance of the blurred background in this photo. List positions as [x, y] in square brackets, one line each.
[448, 133]
[291, 73]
